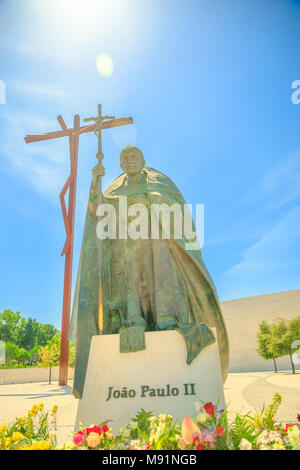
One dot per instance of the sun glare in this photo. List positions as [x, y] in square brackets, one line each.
[105, 65]
[84, 21]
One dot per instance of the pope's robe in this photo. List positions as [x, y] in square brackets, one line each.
[148, 284]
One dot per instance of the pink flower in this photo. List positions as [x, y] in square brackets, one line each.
[79, 438]
[208, 436]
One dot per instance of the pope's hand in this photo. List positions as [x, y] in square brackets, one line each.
[98, 170]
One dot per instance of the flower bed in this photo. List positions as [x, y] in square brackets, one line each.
[210, 430]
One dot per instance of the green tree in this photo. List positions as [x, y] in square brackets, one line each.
[35, 359]
[71, 354]
[11, 354]
[49, 355]
[285, 333]
[45, 333]
[267, 347]
[25, 333]
[24, 357]
[10, 323]
[29, 335]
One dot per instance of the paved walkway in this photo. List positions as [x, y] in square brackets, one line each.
[243, 391]
[16, 400]
[249, 391]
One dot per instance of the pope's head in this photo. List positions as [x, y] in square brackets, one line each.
[132, 160]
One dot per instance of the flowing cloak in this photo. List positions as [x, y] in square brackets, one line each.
[191, 277]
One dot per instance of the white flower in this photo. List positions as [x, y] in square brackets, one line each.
[133, 425]
[267, 437]
[135, 444]
[162, 418]
[69, 445]
[274, 436]
[245, 444]
[201, 418]
[293, 435]
[161, 428]
[152, 420]
[197, 405]
[126, 433]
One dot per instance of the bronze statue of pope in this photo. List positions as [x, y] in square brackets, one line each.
[148, 284]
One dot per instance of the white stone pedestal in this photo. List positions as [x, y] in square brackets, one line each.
[157, 379]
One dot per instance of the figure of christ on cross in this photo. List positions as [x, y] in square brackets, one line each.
[100, 122]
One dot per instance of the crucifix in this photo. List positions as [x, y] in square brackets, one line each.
[100, 122]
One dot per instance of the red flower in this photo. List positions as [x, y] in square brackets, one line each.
[146, 447]
[104, 428]
[220, 431]
[200, 447]
[287, 426]
[95, 428]
[209, 408]
[196, 439]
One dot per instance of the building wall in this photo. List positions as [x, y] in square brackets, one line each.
[242, 317]
[30, 374]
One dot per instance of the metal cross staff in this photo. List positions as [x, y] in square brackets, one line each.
[99, 122]
[69, 215]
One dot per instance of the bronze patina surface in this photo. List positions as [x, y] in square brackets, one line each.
[148, 284]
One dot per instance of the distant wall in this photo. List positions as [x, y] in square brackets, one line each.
[30, 374]
[242, 317]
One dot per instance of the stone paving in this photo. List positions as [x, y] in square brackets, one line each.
[243, 391]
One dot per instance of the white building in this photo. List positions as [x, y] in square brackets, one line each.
[242, 317]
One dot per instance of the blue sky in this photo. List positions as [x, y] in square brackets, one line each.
[208, 84]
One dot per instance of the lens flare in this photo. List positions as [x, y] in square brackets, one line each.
[105, 65]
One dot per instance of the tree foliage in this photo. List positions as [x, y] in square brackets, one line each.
[27, 334]
[286, 333]
[278, 338]
[49, 355]
[266, 345]
[23, 338]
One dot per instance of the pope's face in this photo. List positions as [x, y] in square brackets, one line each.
[132, 163]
